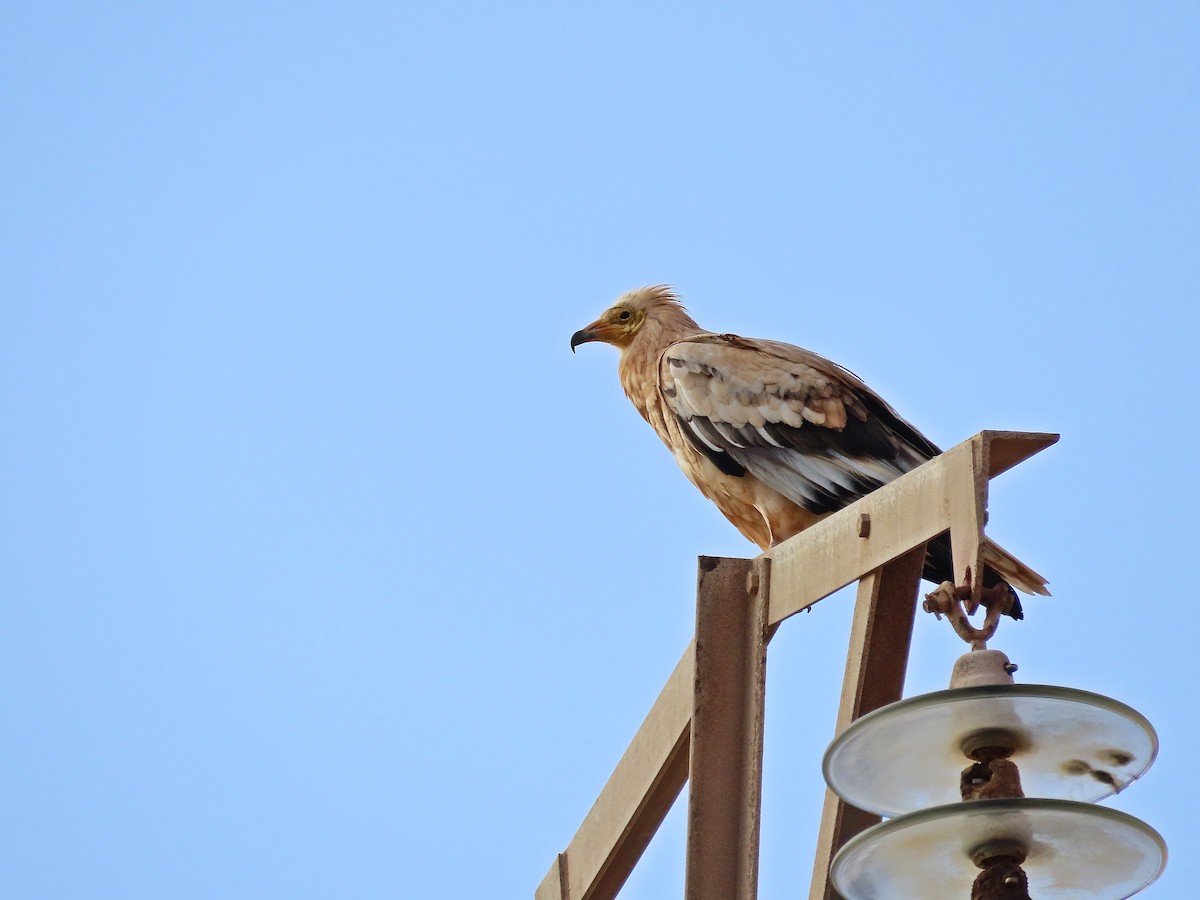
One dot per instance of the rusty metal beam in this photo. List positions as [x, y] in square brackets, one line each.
[725, 789]
[880, 636]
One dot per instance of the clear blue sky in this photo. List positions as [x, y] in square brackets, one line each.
[328, 572]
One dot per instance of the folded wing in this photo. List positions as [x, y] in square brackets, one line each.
[801, 424]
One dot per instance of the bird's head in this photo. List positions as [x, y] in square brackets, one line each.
[620, 323]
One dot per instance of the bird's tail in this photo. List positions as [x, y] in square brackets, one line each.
[999, 568]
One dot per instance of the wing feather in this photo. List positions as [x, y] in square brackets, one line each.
[804, 426]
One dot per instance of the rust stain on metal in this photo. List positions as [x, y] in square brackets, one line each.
[1002, 878]
[724, 796]
[991, 779]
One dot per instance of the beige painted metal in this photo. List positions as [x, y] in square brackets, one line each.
[948, 493]
[633, 803]
[555, 885]
[725, 786]
[891, 524]
[884, 613]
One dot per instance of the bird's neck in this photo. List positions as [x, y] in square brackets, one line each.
[638, 368]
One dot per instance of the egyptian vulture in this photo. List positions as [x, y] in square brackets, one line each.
[775, 435]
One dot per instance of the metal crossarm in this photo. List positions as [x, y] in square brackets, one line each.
[707, 723]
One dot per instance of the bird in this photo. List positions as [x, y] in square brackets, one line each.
[776, 436]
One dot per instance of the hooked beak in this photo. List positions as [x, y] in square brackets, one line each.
[582, 336]
[597, 331]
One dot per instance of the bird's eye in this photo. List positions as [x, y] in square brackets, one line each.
[624, 315]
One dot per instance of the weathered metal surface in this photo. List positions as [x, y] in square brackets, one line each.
[554, 886]
[1002, 878]
[724, 793]
[880, 635]
[634, 801]
[948, 493]
[884, 534]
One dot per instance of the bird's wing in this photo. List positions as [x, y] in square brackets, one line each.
[801, 424]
